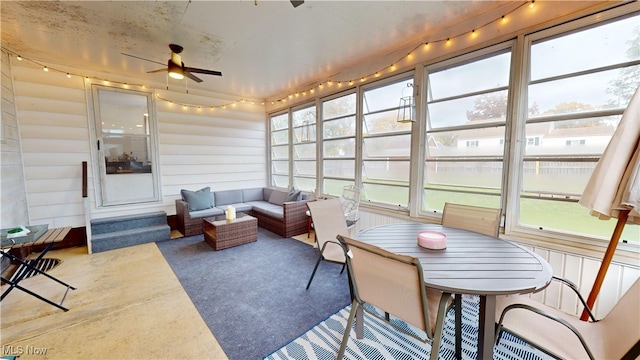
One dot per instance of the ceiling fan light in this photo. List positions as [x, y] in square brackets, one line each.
[175, 71]
[176, 75]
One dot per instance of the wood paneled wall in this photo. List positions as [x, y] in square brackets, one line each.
[54, 131]
[13, 196]
[223, 149]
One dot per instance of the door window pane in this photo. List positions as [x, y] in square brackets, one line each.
[125, 132]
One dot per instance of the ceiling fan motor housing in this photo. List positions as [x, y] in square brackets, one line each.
[175, 67]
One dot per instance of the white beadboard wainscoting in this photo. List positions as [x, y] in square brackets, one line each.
[577, 268]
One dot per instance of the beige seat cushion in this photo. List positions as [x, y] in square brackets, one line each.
[609, 338]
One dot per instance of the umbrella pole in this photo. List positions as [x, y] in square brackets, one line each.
[608, 256]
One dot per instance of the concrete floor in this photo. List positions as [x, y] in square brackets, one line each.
[128, 305]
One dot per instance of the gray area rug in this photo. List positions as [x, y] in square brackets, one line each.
[253, 296]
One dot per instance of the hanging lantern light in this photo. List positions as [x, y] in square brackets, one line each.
[407, 107]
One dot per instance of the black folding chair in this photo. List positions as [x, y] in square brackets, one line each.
[49, 238]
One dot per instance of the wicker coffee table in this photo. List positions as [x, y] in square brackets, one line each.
[221, 233]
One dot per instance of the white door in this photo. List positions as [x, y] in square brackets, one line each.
[125, 133]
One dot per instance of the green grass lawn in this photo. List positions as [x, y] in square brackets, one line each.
[542, 214]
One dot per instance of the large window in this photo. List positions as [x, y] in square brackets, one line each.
[280, 150]
[465, 132]
[519, 125]
[339, 143]
[386, 144]
[304, 148]
[579, 84]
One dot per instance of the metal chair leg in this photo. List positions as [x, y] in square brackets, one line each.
[347, 329]
[314, 271]
[457, 308]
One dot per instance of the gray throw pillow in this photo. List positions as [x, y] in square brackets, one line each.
[293, 195]
[278, 197]
[198, 200]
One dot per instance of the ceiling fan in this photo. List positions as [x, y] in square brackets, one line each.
[175, 67]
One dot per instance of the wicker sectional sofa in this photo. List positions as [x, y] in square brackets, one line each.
[281, 212]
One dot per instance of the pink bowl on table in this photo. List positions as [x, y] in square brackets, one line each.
[433, 240]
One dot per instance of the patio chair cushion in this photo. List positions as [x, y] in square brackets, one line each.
[267, 208]
[205, 213]
[254, 194]
[228, 197]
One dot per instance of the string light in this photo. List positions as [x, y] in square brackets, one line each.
[378, 73]
[124, 84]
[448, 41]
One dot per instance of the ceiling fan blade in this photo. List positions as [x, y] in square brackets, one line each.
[141, 58]
[202, 71]
[188, 74]
[156, 71]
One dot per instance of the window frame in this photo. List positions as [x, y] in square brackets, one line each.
[322, 140]
[293, 143]
[271, 145]
[509, 46]
[404, 76]
[512, 227]
[514, 141]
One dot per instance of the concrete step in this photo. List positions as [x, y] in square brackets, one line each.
[123, 231]
[119, 223]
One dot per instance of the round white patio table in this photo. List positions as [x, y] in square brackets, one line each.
[472, 263]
